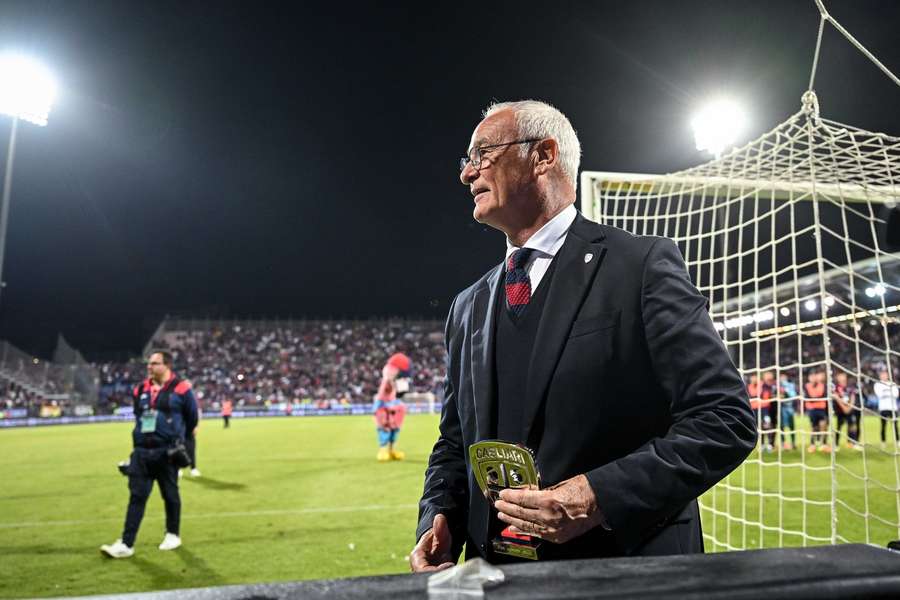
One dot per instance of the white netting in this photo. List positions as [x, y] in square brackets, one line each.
[785, 236]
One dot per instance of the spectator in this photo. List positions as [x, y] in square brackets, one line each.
[887, 391]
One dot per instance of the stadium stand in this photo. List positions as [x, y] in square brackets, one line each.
[31, 387]
[268, 363]
[843, 355]
[275, 363]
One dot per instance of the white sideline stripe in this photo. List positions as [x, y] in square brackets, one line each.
[221, 515]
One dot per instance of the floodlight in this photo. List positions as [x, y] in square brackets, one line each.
[829, 301]
[810, 305]
[27, 89]
[718, 125]
[26, 93]
[785, 311]
[879, 289]
[870, 292]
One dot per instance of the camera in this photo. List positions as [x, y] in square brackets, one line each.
[178, 455]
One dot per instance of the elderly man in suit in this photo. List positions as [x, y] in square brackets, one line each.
[588, 345]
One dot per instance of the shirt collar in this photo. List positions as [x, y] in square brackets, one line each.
[548, 239]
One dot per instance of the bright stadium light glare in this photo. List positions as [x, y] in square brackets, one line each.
[27, 90]
[718, 125]
[810, 305]
[762, 317]
[785, 311]
[879, 289]
[829, 301]
[870, 292]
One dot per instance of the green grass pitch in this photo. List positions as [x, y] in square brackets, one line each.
[302, 498]
[280, 499]
[787, 493]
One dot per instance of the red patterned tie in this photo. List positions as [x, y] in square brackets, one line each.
[518, 286]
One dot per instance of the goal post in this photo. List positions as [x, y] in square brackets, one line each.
[785, 237]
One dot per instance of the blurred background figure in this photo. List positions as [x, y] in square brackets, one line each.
[816, 407]
[389, 408]
[768, 393]
[226, 412]
[761, 395]
[844, 397]
[788, 395]
[887, 392]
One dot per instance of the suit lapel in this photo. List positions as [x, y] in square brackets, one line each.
[482, 328]
[569, 286]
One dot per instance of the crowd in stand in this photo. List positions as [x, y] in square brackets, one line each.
[13, 395]
[789, 376]
[39, 375]
[851, 349]
[34, 387]
[325, 363]
[319, 362]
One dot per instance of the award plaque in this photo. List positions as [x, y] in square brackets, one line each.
[499, 465]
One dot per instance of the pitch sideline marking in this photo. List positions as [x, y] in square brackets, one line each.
[221, 515]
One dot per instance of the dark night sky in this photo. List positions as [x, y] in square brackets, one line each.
[277, 159]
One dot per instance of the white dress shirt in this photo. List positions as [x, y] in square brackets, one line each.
[546, 242]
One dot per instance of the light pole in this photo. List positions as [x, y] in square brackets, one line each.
[27, 92]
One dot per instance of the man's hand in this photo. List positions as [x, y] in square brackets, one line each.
[556, 514]
[432, 553]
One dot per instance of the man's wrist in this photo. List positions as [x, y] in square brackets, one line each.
[594, 511]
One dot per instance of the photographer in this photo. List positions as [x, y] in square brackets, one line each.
[164, 411]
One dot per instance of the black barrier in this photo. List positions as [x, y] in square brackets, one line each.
[820, 573]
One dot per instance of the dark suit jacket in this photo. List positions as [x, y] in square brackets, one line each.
[629, 383]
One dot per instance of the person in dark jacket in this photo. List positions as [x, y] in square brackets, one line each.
[591, 347]
[165, 410]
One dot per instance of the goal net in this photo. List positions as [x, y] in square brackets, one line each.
[786, 238]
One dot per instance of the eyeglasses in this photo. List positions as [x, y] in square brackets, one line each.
[477, 153]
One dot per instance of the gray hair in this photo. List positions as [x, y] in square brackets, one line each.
[536, 119]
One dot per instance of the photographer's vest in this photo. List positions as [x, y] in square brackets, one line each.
[161, 404]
